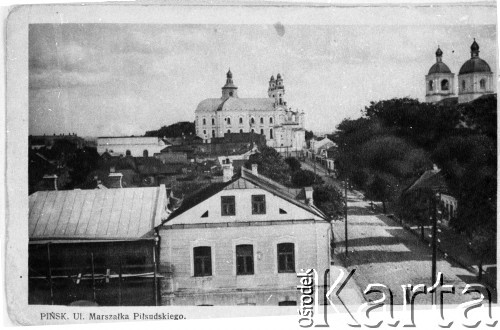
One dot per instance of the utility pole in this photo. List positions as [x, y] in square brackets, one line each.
[345, 215]
[434, 244]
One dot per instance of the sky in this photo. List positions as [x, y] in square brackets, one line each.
[125, 79]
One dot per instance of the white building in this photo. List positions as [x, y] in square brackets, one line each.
[475, 79]
[270, 116]
[136, 146]
[242, 242]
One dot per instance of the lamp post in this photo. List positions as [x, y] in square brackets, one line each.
[435, 199]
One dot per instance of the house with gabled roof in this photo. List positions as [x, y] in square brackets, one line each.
[242, 242]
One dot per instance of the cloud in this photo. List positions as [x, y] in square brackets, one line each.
[56, 78]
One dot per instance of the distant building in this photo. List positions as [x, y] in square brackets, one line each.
[47, 141]
[242, 242]
[95, 247]
[136, 146]
[475, 79]
[271, 117]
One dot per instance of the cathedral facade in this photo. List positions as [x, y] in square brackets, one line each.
[474, 79]
[269, 116]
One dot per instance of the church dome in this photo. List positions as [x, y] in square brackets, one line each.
[475, 64]
[439, 67]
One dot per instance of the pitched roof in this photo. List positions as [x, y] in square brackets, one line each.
[248, 180]
[236, 103]
[430, 180]
[99, 214]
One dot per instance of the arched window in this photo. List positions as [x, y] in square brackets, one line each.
[213, 133]
[261, 120]
[228, 131]
[145, 153]
[270, 120]
[204, 132]
[262, 131]
[253, 131]
[127, 153]
[241, 131]
[271, 133]
[431, 85]
[204, 121]
[463, 84]
[228, 120]
[482, 84]
[213, 121]
[241, 120]
[252, 121]
[445, 85]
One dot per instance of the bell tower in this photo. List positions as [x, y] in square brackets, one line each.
[439, 81]
[229, 89]
[277, 90]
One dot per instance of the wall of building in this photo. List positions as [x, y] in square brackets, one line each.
[265, 287]
[473, 88]
[136, 145]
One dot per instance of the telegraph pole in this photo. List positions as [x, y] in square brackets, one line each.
[345, 215]
[434, 245]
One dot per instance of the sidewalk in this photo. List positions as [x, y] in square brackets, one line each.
[454, 246]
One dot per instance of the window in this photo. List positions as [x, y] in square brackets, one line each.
[444, 85]
[252, 121]
[271, 133]
[145, 153]
[482, 84]
[287, 303]
[283, 211]
[262, 131]
[229, 121]
[204, 121]
[228, 131]
[213, 133]
[258, 204]
[204, 132]
[253, 131]
[463, 84]
[270, 120]
[230, 93]
[228, 205]
[127, 153]
[286, 258]
[261, 120]
[431, 85]
[244, 259]
[241, 120]
[213, 121]
[241, 131]
[202, 256]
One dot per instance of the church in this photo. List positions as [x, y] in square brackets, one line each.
[474, 79]
[269, 116]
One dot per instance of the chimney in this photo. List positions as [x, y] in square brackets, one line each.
[227, 172]
[255, 170]
[51, 178]
[308, 191]
[116, 180]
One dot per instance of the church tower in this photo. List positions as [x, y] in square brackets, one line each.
[229, 89]
[277, 90]
[439, 80]
[475, 77]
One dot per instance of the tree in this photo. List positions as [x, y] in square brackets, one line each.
[482, 243]
[381, 189]
[293, 163]
[329, 200]
[270, 164]
[304, 178]
[182, 128]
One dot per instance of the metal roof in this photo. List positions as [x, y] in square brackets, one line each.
[108, 214]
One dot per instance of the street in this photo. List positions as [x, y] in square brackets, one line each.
[383, 252]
